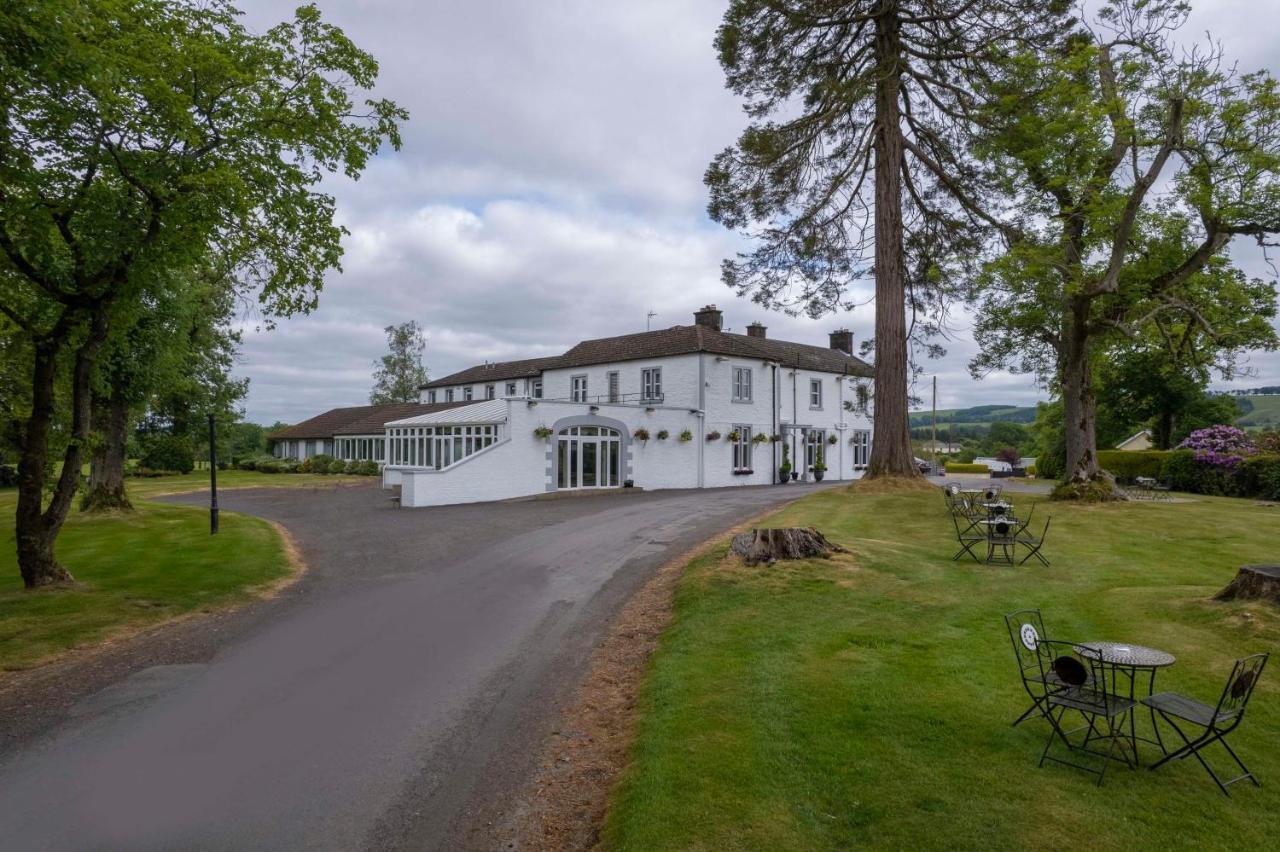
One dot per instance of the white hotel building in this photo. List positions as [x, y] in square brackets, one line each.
[684, 407]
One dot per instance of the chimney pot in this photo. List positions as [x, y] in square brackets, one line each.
[756, 330]
[842, 340]
[709, 317]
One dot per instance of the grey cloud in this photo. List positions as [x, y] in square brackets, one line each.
[550, 190]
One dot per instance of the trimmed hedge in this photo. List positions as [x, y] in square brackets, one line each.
[956, 467]
[1126, 464]
[1257, 476]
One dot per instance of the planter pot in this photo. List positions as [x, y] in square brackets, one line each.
[818, 474]
[784, 476]
[795, 474]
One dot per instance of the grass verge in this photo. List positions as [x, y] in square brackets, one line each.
[866, 701]
[137, 569]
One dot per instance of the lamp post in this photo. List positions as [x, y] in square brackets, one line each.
[213, 479]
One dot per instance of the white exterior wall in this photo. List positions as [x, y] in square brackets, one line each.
[477, 391]
[521, 464]
[679, 380]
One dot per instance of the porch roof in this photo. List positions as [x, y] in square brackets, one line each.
[486, 411]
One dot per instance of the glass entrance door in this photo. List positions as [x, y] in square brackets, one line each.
[588, 457]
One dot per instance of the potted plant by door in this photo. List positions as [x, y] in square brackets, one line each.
[784, 470]
[819, 467]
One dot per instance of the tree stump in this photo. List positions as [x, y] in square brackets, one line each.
[768, 546]
[1253, 582]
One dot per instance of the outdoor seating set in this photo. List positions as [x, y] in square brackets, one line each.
[1099, 682]
[1148, 488]
[985, 516]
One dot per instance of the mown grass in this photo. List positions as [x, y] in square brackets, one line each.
[866, 701]
[135, 569]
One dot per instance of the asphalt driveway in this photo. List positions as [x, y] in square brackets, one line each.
[410, 676]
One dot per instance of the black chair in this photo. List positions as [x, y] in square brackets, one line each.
[1001, 533]
[992, 493]
[1033, 544]
[1025, 522]
[1026, 628]
[967, 537]
[1083, 690]
[1216, 722]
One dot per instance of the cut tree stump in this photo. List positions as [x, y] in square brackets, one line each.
[770, 545]
[1253, 582]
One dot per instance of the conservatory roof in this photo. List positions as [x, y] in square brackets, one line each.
[488, 411]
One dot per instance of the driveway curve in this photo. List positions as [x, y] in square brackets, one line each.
[409, 677]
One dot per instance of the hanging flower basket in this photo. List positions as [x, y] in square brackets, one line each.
[686, 436]
[713, 436]
[641, 434]
[663, 435]
[543, 432]
[733, 436]
[760, 438]
[831, 439]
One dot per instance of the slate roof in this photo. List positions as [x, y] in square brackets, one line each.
[496, 372]
[376, 421]
[355, 420]
[688, 339]
[323, 425]
[677, 340]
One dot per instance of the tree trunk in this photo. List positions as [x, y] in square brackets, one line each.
[106, 467]
[1078, 403]
[1163, 438]
[37, 530]
[891, 443]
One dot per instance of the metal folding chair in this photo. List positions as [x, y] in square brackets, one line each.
[1033, 544]
[1216, 722]
[992, 493]
[1084, 690]
[1001, 533]
[1026, 628]
[967, 538]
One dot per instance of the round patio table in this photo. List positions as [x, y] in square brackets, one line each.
[1131, 661]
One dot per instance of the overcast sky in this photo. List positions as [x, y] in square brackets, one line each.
[549, 190]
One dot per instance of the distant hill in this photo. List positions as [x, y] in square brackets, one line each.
[1260, 412]
[978, 414]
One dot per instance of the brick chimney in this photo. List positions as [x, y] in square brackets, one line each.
[842, 339]
[710, 317]
[756, 330]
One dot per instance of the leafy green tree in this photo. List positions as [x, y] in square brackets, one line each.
[398, 374]
[855, 163]
[141, 136]
[1002, 434]
[1132, 166]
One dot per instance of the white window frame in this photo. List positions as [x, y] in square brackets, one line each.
[861, 448]
[613, 381]
[535, 388]
[448, 395]
[742, 449]
[650, 384]
[578, 388]
[815, 394]
[511, 388]
[467, 393]
[489, 391]
[431, 397]
[742, 377]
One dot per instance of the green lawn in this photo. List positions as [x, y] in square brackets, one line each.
[140, 568]
[866, 701]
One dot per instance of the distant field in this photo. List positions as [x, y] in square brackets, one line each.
[1265, 413]
[978, 415]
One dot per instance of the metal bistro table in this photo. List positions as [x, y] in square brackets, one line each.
[1006, 538]
[1132, 661]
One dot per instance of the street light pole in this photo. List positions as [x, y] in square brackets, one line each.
[213, 479]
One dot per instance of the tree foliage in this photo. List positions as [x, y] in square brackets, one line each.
[856, 163]
[138, 137]
[398, 374]
[1130, 165]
